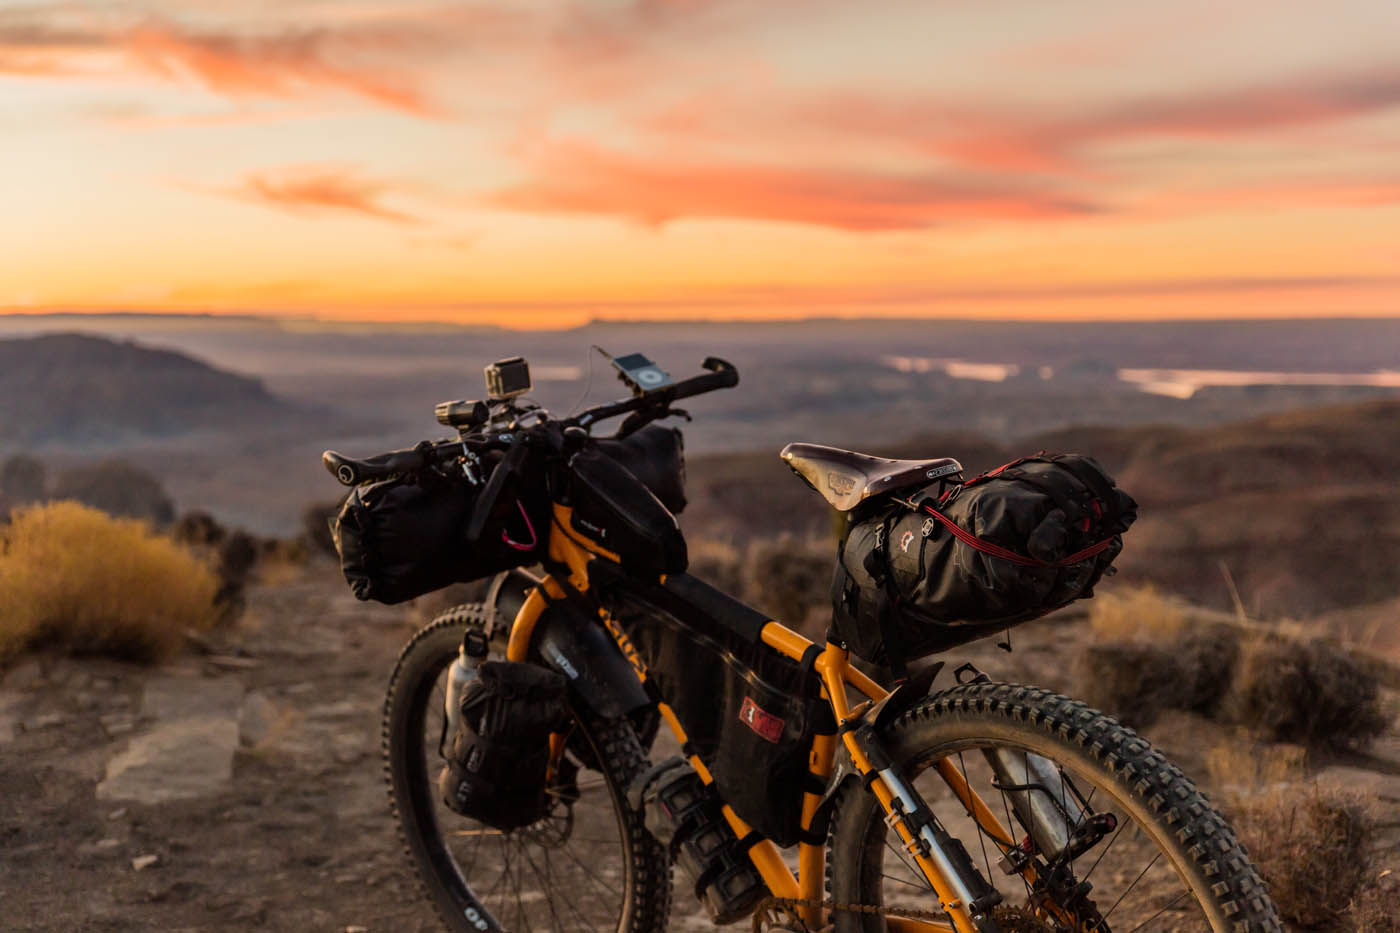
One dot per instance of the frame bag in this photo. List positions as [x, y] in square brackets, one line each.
[748, 712]
[947, 566]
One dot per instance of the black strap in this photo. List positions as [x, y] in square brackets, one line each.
[809, 660]
[877, 564]
[753, 838]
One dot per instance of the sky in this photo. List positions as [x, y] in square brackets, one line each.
[537, 164]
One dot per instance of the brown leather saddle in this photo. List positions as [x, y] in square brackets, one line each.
[847, 478]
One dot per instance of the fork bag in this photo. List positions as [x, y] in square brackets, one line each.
[951, 565]
[496, 770]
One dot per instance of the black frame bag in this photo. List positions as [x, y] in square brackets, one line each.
[947, 566]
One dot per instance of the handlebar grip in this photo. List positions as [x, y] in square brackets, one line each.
[353, 472]
[723, 375]
[482, 510]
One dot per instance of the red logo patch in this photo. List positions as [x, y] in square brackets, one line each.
[766, 725]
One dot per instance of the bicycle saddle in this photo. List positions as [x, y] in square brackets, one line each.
[846, 478]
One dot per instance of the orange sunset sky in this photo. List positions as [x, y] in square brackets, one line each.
[540, 163]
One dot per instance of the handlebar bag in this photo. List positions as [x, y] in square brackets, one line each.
[612, 507]
[498, 762]
[403, 537]
[656, 456]
[948, 566]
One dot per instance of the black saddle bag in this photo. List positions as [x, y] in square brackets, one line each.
[496, 770]
[406, 536]
[950, 565]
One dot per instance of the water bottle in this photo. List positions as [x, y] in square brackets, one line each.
[465, 671]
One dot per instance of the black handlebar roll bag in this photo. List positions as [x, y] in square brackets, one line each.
[947, 566]
[406, 536]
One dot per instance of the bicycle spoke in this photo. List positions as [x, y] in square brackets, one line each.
[1129, 890]
[1166, 907]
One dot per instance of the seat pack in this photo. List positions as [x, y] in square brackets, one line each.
[950, 563]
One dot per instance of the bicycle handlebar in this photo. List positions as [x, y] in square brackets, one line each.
[643, 409]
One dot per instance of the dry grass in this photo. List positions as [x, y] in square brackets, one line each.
[1312, 845]
[1304, 691]
[1150, 654]
[1137, 614]
[77, 579]
[1139, 679]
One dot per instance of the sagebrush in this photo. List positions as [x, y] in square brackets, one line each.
[78, 580]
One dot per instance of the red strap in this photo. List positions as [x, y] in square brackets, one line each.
[996, 550]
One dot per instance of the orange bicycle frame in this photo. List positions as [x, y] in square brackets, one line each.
[569, 549]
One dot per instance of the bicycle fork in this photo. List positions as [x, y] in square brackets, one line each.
[962, 890]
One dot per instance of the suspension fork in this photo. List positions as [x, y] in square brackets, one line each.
[962, 891]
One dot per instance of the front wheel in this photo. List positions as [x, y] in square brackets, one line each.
[1149, 853]
[588, 865]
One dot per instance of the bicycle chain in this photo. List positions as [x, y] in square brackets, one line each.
[768, 914]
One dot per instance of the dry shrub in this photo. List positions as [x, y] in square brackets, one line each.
[789, 576]
[1138, 680]
[75, 578]
[1242, 766]
[1311, 846]
[718, 563]
[1376, 908]
[1137, 614]
[1304, 691]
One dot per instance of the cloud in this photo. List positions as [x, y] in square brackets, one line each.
[320, 190]
[237, 63]
[269, 66]
[576, 178]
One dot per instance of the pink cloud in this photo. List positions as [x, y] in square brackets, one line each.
[575, 178]
[320, 190]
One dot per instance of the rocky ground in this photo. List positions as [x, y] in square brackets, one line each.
[240, 787]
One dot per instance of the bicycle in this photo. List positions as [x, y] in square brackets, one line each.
[981, 806]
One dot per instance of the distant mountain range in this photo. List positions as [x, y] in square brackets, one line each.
[74, 389]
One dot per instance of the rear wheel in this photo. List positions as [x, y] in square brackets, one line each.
[589, 865]
[1158, 857]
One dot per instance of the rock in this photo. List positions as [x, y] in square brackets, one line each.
[46, 721]
[231, 662]
[258, 719]
[186, 697]
[107, 843]
[356, 929]
[179, 760]
[143, 862]
[117, 813]
[189, 752]
[115, 724]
